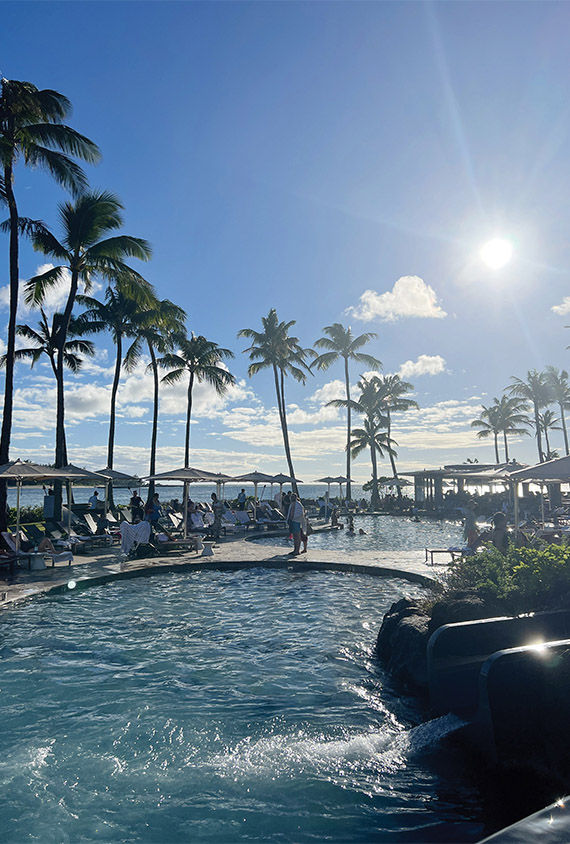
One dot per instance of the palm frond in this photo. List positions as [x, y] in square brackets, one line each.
[57, 136]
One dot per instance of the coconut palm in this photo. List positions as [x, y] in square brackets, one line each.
[375, 437]
[43, 338]
[118, 314]
[537, 392]
[31, 130]
[489, 424]
[391, 394]
[158, 326]
[85, 251]
[548, 422]
[201, 360]
[276, 349]
[511, 419]
[558, 382]
[340, 343]
[368, 404]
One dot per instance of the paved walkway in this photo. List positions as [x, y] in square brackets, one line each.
[108, 564]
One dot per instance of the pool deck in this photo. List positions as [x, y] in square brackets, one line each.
[108, 564]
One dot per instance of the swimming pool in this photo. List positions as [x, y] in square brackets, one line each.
[219, 706]
[384, 533]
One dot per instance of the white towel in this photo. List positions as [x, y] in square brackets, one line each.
[133, 533]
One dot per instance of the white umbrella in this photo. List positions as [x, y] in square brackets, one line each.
[187, 475]
[255, 478]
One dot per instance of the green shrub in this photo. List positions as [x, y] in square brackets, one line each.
[524, 579]
[27, 514]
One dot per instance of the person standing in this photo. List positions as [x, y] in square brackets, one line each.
[94, 500]
[241, 500]
[136, 505]
[295, 516]
[153, 511]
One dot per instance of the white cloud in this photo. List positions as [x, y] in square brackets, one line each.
[563, 308]
[329, 391]
[410, 297]
[424, 365]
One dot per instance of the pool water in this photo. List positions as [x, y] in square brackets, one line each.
[219, 706]
[384, 533]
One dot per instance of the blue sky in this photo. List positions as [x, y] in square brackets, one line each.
[296, 156]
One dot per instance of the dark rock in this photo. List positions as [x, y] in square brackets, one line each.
[402, 642]
[468, 608]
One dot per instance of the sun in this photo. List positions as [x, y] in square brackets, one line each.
[496, 253]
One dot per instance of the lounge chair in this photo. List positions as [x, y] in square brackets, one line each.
[108, 537]
[64, 556]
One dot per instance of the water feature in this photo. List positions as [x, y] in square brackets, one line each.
[219, 706]
[384, 533]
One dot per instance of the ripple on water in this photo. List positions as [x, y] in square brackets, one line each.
[216, 706]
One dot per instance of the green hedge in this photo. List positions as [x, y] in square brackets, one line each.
[27, 514]
[522, 580]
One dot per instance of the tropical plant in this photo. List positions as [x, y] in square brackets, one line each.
[375, 437]
[118, 313]
[557, 380]
[158, 327]
[502, 417]
[537, 392]
[489, 425]
[85, 251]
[548, 422]
[368, 404]
[31, 130]
[391, 394]
[44, 339]
[201, 360]
[340, 343]
[274, 348]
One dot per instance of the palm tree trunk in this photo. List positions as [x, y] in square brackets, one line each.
[152, 465]
[497, 456]
[391, 455]
[538, 434]
[9, 368]
[348, 427]
[375, 496]
[60, 441]
[188, 417]
[506, 447]
[280, 391]
[547, 442]
[563, 420]
[112, 411]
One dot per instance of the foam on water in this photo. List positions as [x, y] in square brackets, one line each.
[216, 706]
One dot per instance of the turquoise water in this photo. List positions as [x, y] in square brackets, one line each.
[219, 706]
[384, 533]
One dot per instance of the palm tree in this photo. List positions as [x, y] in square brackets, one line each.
[489, 424]
[118, 314]
[86, 251]
[510, 418]
[375, 437]
[558, 383]
[536, 391]
[340, 343]
[31, 129]
[369, 405]
[391, 390]
[43, 338]
[274, 348]
[157, 327]
[200, 359]
[548, 422]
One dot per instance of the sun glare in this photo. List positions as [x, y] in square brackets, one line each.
[497, 253]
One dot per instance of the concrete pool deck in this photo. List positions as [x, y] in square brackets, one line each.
[107, 564]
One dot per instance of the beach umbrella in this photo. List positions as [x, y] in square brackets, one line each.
[255, 478]
[114, 475]
[283, 479]
[19, 470]
[340, 481]
[187, 475]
